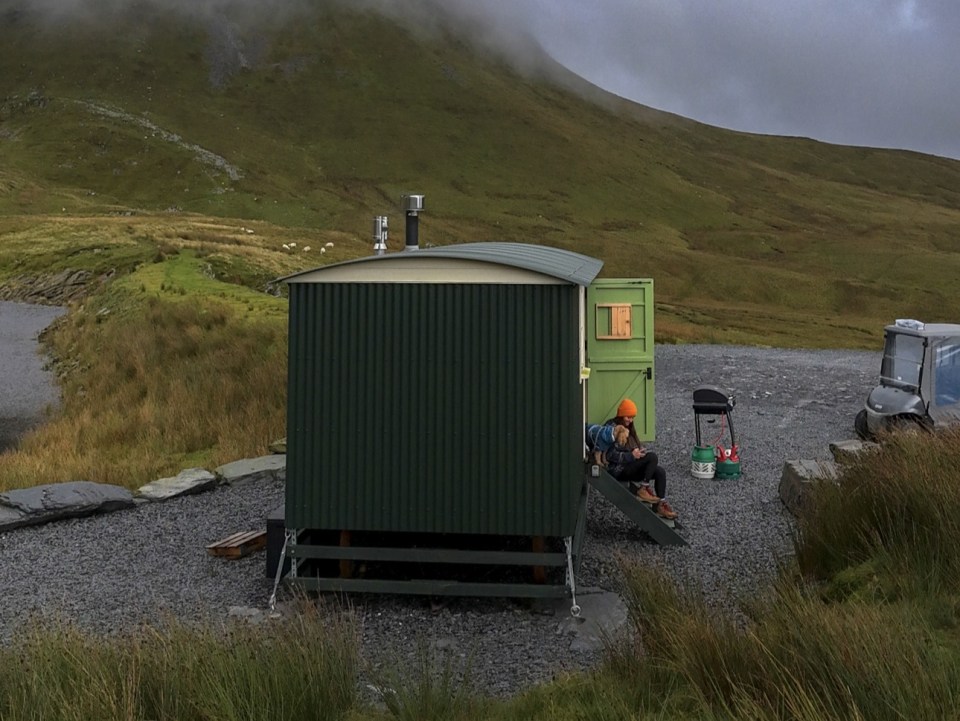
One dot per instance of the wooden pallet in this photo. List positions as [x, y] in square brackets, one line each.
[239, 544]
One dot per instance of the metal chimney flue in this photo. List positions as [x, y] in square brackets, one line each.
[380, 234]
[413, 206]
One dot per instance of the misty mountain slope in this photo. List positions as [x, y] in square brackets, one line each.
[323, 116]
[319, 121]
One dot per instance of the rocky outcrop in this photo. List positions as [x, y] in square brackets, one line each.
[201, 155]
[58, 289]
[41, 504]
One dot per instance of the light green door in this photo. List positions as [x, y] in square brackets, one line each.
[620, 350]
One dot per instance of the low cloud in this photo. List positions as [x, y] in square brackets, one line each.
[861, 72]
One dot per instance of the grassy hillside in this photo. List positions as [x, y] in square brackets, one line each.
[320, 119]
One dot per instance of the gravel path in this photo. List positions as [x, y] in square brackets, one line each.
[111, 572]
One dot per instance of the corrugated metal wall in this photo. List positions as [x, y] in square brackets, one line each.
[434, 408]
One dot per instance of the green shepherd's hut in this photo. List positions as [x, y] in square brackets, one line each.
[436, 409]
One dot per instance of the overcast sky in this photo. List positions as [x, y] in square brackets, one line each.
[880, 73]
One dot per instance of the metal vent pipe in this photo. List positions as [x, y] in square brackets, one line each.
[413, 206]
[380, 234]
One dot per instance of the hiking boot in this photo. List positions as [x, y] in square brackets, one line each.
[646, 495]
[665, 511]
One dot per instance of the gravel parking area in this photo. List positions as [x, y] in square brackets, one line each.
[113, 572]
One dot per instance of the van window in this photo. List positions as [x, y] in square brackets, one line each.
[902, 360]
[946, 373]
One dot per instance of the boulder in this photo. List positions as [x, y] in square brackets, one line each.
[51, 502]
[248, 470]
[797, 479]
[849, 451]
[187, 482]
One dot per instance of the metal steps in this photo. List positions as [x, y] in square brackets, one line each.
[645, 518]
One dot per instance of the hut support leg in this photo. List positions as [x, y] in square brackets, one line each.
[538, 544]
[346, 567]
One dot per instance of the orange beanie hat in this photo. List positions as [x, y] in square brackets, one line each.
[626, 408]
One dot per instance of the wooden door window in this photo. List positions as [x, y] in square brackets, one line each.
[613, 321]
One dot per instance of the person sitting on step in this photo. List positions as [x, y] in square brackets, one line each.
[632, 463]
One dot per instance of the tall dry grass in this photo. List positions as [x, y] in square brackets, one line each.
[798, 658]
[895, 512]
[436, 687]
[155, 386]
[300, 668]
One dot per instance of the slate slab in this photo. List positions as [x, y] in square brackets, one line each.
[602, 616]
[850, 450]
[248, 470]
[187, 482]
[11, 518]
[74, 499]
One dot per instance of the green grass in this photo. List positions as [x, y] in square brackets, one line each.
[755, 238]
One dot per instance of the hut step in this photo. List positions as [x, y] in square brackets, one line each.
[661, 530]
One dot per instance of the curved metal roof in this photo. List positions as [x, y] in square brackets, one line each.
[554, 262]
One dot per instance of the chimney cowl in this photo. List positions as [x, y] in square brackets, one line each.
[413, 203]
